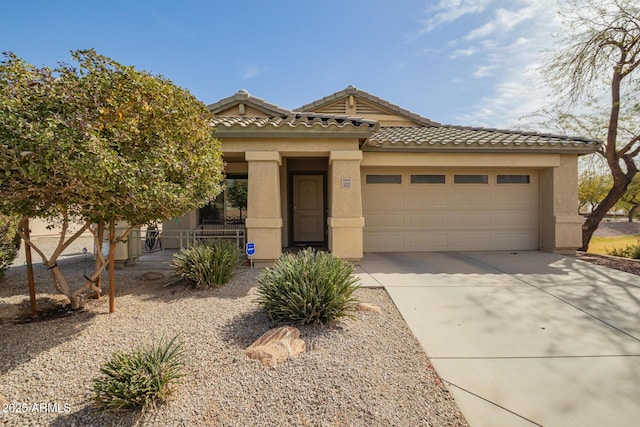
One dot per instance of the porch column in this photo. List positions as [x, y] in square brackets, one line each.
[560, 224]
[345, 221]
[264, 219]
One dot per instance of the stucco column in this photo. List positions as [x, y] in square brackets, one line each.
[264, 219]
[346, 221]
[560, 224]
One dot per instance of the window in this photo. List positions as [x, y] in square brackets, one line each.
[427, 179]
[384, 179]
[514, 179]
[471, 179]
[230, 207]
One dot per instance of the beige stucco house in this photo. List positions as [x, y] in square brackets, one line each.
[358, 174]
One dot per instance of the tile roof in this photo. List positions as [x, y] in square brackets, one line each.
[430, 136]
[459, 137]
[352, 90]
[293, 120]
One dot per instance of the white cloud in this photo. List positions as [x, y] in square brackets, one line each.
[484, 71]
[510, 43]
[503, 22]
[463, 52]
[252, 72]
[447, 11]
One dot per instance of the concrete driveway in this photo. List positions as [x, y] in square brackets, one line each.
[522, 339]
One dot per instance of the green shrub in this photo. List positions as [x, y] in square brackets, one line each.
[207, 266]
[141, 378]
[631, 251]
[308, 287]
[9, 241]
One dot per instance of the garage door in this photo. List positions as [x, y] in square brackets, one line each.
[427, 210]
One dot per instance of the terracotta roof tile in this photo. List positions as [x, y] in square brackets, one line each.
[444, 136]
[296, 120]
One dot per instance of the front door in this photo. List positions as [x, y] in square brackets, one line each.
[308, 208]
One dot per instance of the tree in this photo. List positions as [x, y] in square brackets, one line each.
[592, 188]
[237, 194]
[102, 143]
[9, 241]
[601, 53]
[631, 199]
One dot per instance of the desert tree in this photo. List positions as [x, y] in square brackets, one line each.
[592, 189]
[100, 142]
[596, 74]
[630, 201]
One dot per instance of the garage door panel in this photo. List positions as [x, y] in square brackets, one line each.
[433, 198]
[391, 220]
[418, 216]
[427, 220]
[471, 219]
[385, 199]
[522, 199]
[515, 219]
[464, 197]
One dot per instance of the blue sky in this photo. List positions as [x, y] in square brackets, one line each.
[466, 62]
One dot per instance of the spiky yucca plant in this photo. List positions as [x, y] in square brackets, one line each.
[207, 265]
[308, 287]
[141, 378]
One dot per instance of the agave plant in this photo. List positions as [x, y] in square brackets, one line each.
[206, 266]
[308, 287]
[141, 378]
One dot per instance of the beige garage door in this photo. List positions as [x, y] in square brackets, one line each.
[426, 210]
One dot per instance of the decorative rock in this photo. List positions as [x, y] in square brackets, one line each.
[276, 345]
[365, 306]
[3, 401]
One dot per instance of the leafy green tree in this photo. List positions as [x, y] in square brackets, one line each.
[103, 143]
[599, 58]
[9, 241]
[592, 188]
[631, 199]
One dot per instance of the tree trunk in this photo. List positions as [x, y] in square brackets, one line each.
[620, 184]
[112, 261]
[632, 211]
[30, 279]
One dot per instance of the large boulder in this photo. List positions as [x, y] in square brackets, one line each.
[3, 401]
[276, 345]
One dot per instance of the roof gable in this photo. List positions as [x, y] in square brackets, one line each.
[243, 104]
[355, 102]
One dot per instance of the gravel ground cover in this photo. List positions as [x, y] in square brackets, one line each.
[366, 371]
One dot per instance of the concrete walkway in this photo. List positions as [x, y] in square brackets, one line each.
[522, 339]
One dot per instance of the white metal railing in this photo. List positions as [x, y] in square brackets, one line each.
[191, 237]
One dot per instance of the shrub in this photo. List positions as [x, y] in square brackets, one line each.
[206, 266]
[9, 241]
[631, 251]
[308, 287]
[141, 378]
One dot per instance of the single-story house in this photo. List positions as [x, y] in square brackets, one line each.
[358, 174]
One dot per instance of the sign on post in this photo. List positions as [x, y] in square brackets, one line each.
[251, 249]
